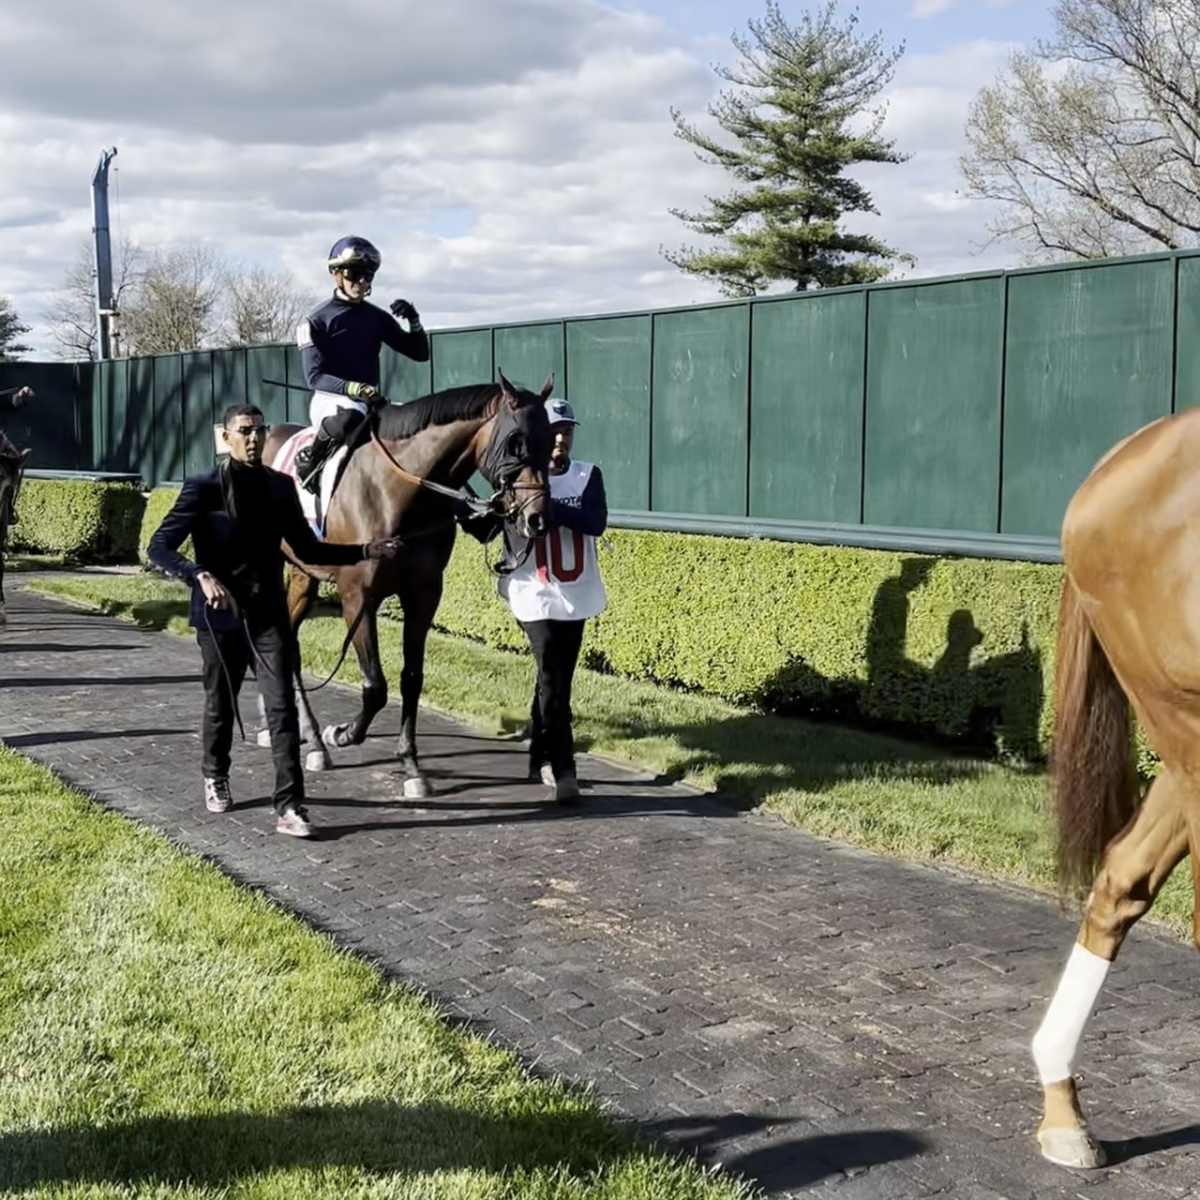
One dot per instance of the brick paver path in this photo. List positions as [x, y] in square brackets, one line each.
[823, 1020]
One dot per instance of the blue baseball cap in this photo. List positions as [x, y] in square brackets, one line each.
[560, 412]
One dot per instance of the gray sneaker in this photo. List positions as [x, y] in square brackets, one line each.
[217, 796]
[294, 822]
[566, 789]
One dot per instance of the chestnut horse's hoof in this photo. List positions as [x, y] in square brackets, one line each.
[317, 760]
[264, 738]
[1068, 1146]
[416, 787]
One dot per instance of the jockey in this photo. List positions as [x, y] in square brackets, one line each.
[339, 345]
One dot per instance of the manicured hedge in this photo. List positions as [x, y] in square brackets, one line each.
[958, 647]
[157, 507]
[87, 522]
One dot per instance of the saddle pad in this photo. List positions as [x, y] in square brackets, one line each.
[314, 508]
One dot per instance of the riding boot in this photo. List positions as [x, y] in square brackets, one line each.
[311, 458]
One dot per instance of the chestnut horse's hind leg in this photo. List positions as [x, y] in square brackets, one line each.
[1134, 867]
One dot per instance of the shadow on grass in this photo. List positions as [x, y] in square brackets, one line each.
[386, 1139]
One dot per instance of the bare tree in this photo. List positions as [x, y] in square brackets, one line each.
[174, 306]
[1091, 143]
[261, 306]
[72, 315]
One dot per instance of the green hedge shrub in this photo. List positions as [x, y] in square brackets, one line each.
[157, 507]
[86, 522]
[962, 648]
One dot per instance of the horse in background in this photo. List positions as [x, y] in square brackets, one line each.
[497, 429]
[1129, 635]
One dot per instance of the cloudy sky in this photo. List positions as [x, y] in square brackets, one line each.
[511, 158]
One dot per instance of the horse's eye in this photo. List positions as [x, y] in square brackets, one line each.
[516, 446]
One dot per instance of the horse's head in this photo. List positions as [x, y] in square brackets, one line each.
[515, 458]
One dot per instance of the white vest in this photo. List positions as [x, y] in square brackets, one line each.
[560, 577]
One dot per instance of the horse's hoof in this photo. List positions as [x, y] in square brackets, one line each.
[3, 616]
[1071, 1147]
[416, 788]
[317, 760]
[264, 738]
[332, 735]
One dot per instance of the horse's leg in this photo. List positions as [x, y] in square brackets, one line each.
[302, 592]
[374, 689]
[420, 605]
[1135, 866]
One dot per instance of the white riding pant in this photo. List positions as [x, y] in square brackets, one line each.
[325, 404]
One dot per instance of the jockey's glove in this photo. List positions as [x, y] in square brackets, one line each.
[406, 311]
[367, 392]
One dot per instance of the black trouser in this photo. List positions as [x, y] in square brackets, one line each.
[556, 651]
[273, 666]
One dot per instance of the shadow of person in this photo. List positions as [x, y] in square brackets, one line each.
[887, 633]
[1009, 692]
[784, 1163]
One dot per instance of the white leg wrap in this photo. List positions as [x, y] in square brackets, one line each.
[1057, 1039]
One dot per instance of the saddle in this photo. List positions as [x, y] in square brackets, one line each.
[315, 506]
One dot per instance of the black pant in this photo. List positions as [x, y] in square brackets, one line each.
[555, 650]
[273, 666]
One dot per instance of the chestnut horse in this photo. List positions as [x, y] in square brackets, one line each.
[1129, 634]
[441, 439]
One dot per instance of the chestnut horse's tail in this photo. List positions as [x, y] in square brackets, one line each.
[1095, 786]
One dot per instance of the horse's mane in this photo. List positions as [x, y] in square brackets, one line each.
[399, 421]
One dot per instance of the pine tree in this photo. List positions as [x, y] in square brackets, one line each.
[10, 332]
[800, 115]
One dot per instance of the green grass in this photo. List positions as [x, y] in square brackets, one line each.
[164, 1032]
[886, 794]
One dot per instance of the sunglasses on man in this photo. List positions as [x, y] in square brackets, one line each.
[249, 431]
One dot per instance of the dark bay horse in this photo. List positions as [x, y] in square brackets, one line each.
[444, 438]
[12, 471]
[1129, 635]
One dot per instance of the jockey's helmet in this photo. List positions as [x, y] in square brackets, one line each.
[354, 252]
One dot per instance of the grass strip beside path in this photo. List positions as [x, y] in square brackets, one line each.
[883, 793]
[164, 1032]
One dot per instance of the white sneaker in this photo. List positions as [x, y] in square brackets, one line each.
[217, 796]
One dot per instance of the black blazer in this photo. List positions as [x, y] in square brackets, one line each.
[242, 550]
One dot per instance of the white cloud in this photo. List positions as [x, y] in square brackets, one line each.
[523, 171]
[924, 9]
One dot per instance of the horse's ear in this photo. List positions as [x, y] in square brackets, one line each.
[547, 387]
[26, 453]
[508, 392]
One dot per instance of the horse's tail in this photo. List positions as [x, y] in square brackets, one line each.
[1095, 786]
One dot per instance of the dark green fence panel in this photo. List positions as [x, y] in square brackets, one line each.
[610, 392]
[934, 362]
[1187, 336]
[102, 407]
[1089, 361]
[48, 425]
[116, 421]
[268, 362]
[463, 358]
[698, 459]
[169, 440]
[806, 396]
[527, 354]
[297, 402]
[401, 379]
[140, 419]
[229, 379]
[198, 413]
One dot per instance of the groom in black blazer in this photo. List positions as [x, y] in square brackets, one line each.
[238, 516]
